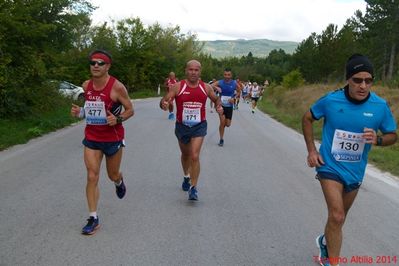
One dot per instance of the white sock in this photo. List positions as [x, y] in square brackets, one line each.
[324, 242]
[186, 176]
[118, 183]
[93, 214]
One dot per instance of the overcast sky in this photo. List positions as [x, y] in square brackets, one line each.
[282, 20]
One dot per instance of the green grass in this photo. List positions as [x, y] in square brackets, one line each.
[386, 158]
[144, 94]
[289, 109]
[292, 120]
[19, 131]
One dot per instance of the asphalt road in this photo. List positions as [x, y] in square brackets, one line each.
[259, 203]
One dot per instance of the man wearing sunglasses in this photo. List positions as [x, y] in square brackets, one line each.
[104, 134]
[354, 119]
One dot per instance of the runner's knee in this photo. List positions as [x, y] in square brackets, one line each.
[93, 177]
[336, 217]
[114, 176]
[195, 156]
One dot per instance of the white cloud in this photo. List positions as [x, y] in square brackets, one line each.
[285, 20]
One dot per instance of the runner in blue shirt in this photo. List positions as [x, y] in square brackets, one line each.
[229, 89]
[352, 117]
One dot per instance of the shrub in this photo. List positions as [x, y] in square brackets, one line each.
[293, 79]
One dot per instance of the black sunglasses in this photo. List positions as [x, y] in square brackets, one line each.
[99, 63]
[360, 80]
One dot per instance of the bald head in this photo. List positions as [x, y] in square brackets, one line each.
[194, 63]
[193, 72]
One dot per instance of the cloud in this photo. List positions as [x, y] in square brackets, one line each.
[285, 20]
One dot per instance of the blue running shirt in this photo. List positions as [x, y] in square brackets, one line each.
[228, 90]
[343, 150]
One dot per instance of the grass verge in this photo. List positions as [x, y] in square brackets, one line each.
[287, 107]
[144, 94]
[19, 131]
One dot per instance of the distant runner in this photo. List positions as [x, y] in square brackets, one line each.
[255, 94]
[228, 89]
[169, 81]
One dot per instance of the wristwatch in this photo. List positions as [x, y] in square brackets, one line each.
[379, 141]
[119, 119]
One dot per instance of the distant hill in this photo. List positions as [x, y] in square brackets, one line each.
[238, 48]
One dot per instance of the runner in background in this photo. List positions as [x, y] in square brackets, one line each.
[169, 81]
[255, 94]
[228, 89]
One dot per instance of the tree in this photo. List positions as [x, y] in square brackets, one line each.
[328, 48]
[381, 22]
[305, 58]
[33, 34]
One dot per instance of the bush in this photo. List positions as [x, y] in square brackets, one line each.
[293, 79]
[394, 83]
[25, 101]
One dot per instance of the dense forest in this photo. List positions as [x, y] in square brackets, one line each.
[44, 40]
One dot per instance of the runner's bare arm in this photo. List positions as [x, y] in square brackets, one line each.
[173, 91]
[122, 96]
[76, 110]
[239, 88]
[385, 139]
[84, 85]
[215, 86]
[314, 158]
[214, 98]
[165, 83]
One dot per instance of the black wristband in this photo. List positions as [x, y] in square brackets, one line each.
[379, 141]
[119, 119]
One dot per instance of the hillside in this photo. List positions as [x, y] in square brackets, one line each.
[259, 48]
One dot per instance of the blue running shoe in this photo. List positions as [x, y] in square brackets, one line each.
[221, 143]
[121, 189]
[192, 194]
[171, 116]
[186, 184]
[91, 227]
[323, 253]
